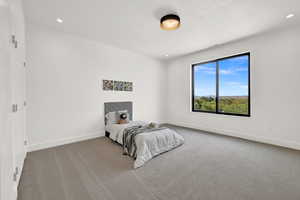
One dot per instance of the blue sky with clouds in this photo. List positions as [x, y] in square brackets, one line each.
[233, 78]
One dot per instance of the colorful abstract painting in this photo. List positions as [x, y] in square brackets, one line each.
[128, 86]
[108, 84]
[118, 86]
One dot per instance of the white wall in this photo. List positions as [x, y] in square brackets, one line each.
[66, 100]
[275, 96]
[64, 90]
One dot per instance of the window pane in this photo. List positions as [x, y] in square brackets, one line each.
[205, 87]
[233, 85]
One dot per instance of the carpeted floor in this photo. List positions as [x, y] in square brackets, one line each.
[206, 167]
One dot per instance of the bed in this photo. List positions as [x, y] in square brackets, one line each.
[148, 141]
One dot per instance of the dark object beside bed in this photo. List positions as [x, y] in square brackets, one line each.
[107, 134]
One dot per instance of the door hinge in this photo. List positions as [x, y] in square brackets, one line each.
[14, 107]
[14, 41]
[15, 176]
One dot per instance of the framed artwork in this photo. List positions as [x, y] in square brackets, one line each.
[128, 86]
[118, 85]
[108, 84]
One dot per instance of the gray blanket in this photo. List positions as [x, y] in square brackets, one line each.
[129, 144]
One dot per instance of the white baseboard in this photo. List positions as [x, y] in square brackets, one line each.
[54, 143]
[276, 142]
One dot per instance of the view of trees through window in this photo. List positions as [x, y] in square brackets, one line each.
[222, 86]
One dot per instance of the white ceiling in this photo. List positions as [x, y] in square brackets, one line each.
[134, 24]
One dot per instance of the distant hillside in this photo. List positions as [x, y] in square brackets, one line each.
[223, 97]
[234, 97]
[226, 104]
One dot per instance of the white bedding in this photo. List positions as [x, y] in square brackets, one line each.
[148, 144]
[116, 130]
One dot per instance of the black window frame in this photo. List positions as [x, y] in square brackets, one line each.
[217, 86]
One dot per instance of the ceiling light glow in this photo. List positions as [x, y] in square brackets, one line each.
[59, 20]
[170, 22]
[290, 16]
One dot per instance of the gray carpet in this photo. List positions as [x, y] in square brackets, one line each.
[206, 167]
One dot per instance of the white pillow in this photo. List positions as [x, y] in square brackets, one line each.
[111, 118]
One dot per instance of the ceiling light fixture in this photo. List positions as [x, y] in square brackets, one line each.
[290, 16]
[59, 20]
[170, 22]
[166, 55]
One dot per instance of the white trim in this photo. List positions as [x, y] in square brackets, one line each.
[54, 143]
[276, 142]
[2, 179]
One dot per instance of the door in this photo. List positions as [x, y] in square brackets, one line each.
[12, 88]
[17, 76]
[6, 157]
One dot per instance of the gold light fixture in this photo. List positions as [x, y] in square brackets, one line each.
[170, 22]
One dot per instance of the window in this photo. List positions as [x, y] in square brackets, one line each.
[222, 86]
